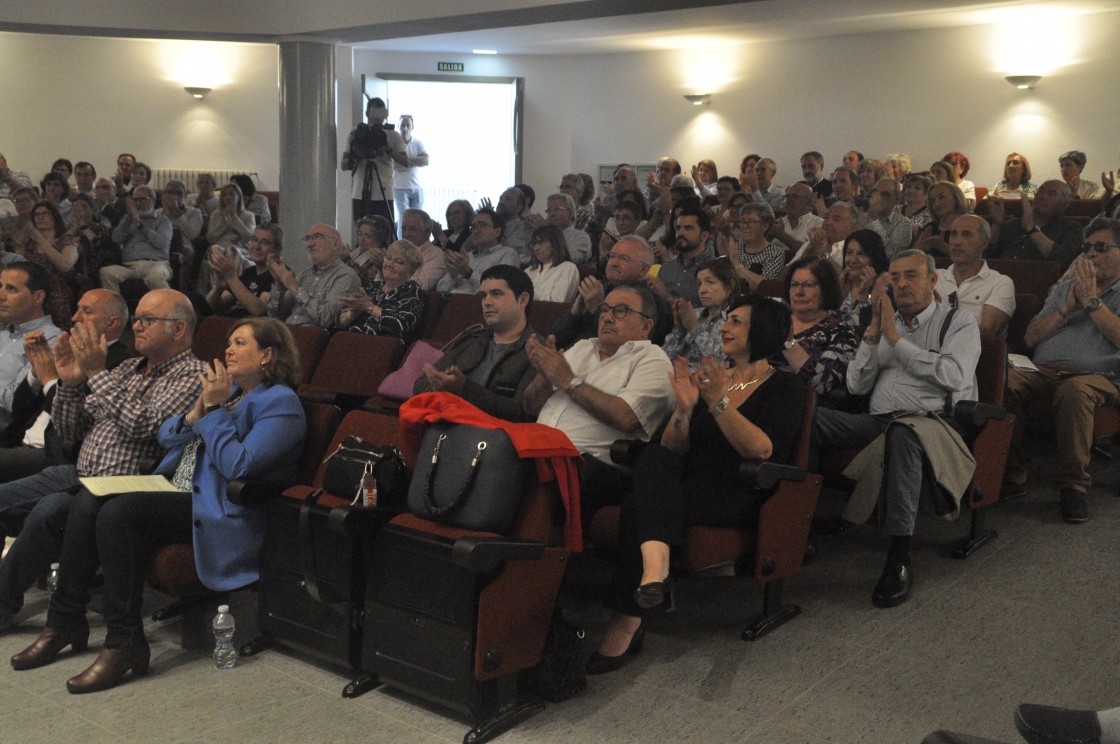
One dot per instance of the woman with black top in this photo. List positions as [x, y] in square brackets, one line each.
[723, 414]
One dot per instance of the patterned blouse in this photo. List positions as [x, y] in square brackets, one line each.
[703, 340]
[772, 259]
[831, 344]
[921, 218]
[402, 309]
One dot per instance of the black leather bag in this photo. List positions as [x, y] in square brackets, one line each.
[351, 467]
[467, 477]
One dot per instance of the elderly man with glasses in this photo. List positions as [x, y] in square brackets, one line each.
[315, 296]
[1076, 343]
[145, 240]
[614, 386]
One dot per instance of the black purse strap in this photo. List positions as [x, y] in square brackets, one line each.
[307, 552]
[468, 483]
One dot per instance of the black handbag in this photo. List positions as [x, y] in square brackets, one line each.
[467, 477]
[560, 674]
[357, 466]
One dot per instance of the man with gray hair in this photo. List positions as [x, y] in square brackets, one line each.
[914, 362]
[315, 296]
[827, 241]
[1076, 343]
[968, 283]
[1042, 233]
[187, 219]
[145, 240]
[416, 228]
[560, 210]
[760, 182]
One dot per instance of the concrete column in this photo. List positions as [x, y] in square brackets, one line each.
[308, 143]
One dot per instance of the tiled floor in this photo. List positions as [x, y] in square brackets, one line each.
[1031, 617]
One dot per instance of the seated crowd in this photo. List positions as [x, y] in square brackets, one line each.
[696, 311]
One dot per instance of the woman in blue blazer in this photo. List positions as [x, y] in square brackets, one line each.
[247, 423]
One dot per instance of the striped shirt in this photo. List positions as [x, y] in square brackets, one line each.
[117, 413]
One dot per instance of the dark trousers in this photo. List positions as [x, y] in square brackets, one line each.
[653, 509]
[45, 499]
[119, 533]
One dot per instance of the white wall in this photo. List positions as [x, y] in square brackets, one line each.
[90, 99]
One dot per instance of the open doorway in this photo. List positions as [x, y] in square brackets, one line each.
[470, 126]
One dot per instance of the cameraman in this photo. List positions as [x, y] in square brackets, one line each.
[372, 188]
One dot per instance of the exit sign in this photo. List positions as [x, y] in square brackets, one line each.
[449, 66]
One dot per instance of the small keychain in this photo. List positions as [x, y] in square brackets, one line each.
[369, 486]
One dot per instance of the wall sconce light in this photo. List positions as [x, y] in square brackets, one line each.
[198, 93]
[1023, 82]
[698, 99]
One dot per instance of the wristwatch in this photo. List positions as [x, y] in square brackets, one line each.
[576, 382]
[211, 409]
[721, 406]
[1093, 305]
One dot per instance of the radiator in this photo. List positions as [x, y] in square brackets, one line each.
[160, 176]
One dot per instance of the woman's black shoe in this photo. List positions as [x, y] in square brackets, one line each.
[657, 595]
[599, 664]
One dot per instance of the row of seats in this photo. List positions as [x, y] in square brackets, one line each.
[347, 368]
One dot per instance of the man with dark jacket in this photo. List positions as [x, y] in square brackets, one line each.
[489, 367]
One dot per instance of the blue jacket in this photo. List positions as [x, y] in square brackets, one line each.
[261, 438]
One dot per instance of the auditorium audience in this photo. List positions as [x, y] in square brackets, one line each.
[720, 416]
[1041, 232]
[865, 263]
[821, 341]
[56, 250]
[391, 305]
[1016, 182]
[970, 284]
[696, 330]
[554, 275]
[959, 165]
[246, 423]
[754, 256]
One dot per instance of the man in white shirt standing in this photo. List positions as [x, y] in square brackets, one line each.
[407, 192]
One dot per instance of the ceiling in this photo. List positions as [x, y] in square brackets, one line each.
[558, 27]
[733, 23]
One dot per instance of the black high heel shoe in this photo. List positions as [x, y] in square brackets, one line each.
[599, 664]
[657, 595]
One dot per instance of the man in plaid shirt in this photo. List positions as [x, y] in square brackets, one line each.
[114, 414]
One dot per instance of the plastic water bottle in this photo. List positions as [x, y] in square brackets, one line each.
[225, 655]
[52, 579]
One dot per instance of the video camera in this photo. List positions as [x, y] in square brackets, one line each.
[369, 142]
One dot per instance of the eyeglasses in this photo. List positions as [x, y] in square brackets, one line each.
[313, 236]
[749, 223]
[803, 285]
[1098, 247]
[145, 321]
[619, 311]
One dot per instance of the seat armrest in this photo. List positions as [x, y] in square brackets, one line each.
[625, 451]
[765, 474]
[245, 492]
[975, 413]
[481, 554]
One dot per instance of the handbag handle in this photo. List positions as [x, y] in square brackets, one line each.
[307, 553]
[441, 511]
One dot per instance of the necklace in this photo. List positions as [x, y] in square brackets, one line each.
[745, 385]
